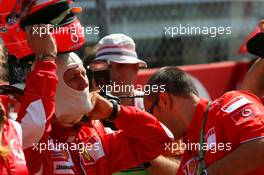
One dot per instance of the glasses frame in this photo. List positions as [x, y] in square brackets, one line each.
[154, 104]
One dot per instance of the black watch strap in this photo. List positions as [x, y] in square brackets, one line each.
[44, 56]
[113, 115]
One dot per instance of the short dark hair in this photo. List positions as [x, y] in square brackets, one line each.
[174, 80]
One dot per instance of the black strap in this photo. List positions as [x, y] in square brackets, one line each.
[113, 115]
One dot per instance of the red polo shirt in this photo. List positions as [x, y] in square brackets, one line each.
[235, 118]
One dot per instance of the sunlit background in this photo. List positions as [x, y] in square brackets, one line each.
[145, 21]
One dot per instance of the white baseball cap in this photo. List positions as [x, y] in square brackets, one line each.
[118, 48]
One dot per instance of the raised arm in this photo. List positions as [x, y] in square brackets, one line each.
[247, 132]
[140, 137]
[254, 79]
[38, 106]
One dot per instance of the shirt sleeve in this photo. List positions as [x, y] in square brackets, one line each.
[37, 106]
[245, 122]
[141, 138]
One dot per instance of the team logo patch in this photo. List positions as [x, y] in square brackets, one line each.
[245, 114]
[63, 167]
[62, 162]
[235, 104]
[92, 153]
[189, 168]
[210, 138]
[60, 155]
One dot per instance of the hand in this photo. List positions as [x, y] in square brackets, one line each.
[101, 108]
[41, 43]
[261, 25]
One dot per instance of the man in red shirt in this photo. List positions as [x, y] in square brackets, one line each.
[58, 138]
[223, 137]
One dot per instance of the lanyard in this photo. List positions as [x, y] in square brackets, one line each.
[201, 150]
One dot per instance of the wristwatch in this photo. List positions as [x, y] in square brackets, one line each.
[44, 56]
[113, 115]
[204, 172]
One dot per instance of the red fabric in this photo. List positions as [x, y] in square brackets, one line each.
[16, 43]
[231, 121]
[140, 138]
[15, 162]
[14, 37]
[41, 84]
[6, 7]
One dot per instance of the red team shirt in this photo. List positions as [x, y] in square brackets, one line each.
[141, 137]
[15, 163]
[235, 118]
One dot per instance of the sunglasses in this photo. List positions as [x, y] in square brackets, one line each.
[154, 104]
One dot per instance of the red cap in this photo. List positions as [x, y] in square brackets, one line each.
[69, 37]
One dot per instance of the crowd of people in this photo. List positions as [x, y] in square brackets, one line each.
[64, 126]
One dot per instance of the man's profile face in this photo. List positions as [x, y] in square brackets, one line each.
[155, 106]
[76, 78]
[123, 73]
[151, 105]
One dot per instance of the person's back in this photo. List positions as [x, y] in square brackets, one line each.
[233, 119]
[220, 137]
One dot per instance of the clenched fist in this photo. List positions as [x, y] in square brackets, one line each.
[41, 44]
[101, 108]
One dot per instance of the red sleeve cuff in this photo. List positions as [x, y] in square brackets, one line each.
[45, 66]
[131, 118]
[124, 111]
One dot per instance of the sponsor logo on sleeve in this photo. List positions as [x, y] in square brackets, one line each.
[189, 168]
[245, 114]
[91, 156]
[235, 104]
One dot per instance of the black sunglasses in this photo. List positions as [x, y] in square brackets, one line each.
[155, 102]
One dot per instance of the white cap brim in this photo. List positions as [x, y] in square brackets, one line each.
[123, 60]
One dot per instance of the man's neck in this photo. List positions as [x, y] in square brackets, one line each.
[186, 110]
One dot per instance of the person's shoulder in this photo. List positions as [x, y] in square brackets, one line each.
[235, 102]
[236, 99]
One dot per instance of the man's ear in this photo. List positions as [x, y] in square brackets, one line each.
[164, 101]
